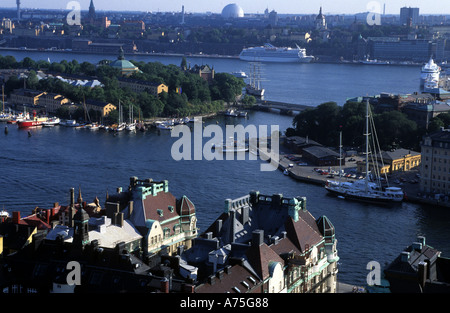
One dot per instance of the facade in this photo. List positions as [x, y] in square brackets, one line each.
[26, 96]
[165, 222]
[398, 160]
[409, 16]
[103, 108]
[139, 86]
[389, 48]
[52, 102]
[422, 114]
[204, 71]
[322, 156]
[435, 170]
[265, 244]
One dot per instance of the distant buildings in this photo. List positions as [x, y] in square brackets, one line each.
[320, 21]
[394, 48]
[435, 171]
[409, 16]
[232, 11]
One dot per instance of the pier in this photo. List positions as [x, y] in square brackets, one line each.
[285, 108]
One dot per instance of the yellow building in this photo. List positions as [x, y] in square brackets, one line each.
[398, 160]
[26, 96]
[139, 86]
[103, 108]
[52, 101]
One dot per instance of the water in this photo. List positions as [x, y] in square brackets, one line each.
[39, 170]
[307, 84]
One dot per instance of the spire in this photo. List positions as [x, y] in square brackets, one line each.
[80, 198]
[121, 54]
[92, 10]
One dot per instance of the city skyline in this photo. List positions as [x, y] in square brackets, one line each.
[248, 6]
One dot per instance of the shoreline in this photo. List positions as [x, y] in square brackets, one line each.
[210, 56]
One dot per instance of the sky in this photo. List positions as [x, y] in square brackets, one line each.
[249, 6]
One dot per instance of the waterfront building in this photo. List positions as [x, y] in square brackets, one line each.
[296, 143]
[435, 170]
[23, 96]
[394, 48]
[397, 160]
[102, 108]
[420, 268]
[263, 243]
[51, 102]
[138, 86]
[321, 156]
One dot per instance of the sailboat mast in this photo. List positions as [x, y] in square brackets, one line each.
[367, 145]
[340, 155]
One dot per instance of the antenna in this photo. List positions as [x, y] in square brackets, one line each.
[18, 9]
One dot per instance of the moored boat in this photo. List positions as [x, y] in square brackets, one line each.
[369, 189]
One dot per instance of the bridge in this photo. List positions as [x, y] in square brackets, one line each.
[285, 108]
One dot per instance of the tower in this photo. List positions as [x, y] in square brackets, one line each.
[92, 15]
[320, 21]
[18, 9]
[182, 14]
[81, 228]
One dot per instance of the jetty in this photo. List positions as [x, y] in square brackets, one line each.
[283, 107]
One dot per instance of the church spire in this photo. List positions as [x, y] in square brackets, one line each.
[92, 11]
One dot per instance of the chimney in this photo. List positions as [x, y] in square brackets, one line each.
[245, 215]
[16, 217]
[219, 224]
[131, 207]
[118, 219]
[165, 285]
[404, 256]
[257, 237]
[212, 280]
[232, 226]
[422, 273]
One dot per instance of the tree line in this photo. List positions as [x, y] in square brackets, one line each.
[188, 93]
[394, 129]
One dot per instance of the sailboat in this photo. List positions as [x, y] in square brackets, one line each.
[121, 124]
[370, 188]
[254, 86]
[131, 126]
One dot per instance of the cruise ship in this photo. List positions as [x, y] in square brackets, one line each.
[270, 53]
[430, 71]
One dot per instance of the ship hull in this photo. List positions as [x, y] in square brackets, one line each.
[275, 59]
[362, 198]
[25, 124]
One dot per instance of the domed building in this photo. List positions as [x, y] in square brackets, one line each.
[232, 11]
[125, 67]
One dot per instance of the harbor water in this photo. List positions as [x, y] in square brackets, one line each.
[39, 170]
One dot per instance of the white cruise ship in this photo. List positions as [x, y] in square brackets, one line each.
[430, 71]
[270, 53]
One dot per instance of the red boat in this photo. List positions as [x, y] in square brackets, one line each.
[36, 121]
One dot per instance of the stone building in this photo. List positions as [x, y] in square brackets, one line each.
[264, 243]
[435, 170]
